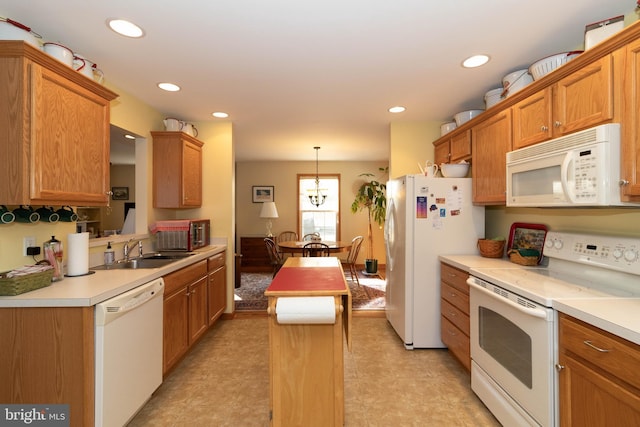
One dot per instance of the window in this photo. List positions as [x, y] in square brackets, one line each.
[324, 219]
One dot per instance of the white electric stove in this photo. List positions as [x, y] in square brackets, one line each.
[513, 324]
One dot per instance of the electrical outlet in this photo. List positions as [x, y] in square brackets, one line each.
[28, 242]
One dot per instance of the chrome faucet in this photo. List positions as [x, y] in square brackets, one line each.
[129, 245]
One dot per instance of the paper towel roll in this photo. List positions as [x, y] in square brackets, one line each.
[306, 310]
[77, 254]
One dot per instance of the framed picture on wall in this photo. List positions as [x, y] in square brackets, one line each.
[120, 193]
[262, 193]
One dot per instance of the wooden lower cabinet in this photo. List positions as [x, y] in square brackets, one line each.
[48, 357]
[217, 286]
[185, 311]
[194, 298]
[454, 309]
[599, 378]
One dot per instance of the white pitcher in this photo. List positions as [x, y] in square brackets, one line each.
[189, 129]
[173, 125]
[430, 170]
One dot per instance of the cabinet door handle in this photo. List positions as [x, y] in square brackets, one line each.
[557, 123]
[623, 182]
[544, 128]
[559, 367]
[590, 344]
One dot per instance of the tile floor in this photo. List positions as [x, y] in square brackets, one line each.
[224, 381]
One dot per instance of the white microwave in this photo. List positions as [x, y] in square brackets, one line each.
[581, 169]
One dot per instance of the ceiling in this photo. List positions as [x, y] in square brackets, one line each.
[295, 74]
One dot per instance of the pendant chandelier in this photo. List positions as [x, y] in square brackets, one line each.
[315, 196]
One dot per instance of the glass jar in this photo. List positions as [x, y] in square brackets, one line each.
[52, 250]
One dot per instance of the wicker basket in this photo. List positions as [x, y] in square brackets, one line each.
[20, 284]
[491, 248]
[517, 258]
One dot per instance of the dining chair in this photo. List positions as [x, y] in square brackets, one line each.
[275, 257]
[316, 249]
[350, 262]
[309, 237]
[286, 236]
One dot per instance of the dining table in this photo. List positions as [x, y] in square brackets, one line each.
[293, 246]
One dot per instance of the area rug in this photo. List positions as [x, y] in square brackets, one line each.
[250, 295]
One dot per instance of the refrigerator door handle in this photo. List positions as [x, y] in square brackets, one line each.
[389, 231]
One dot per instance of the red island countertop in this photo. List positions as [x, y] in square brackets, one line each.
[309, 276]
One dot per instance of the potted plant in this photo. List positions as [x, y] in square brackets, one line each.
[371, 195]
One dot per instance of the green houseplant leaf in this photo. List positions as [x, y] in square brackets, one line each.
[371, 195]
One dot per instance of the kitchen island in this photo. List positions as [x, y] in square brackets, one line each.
[48, 336]
[305, 346]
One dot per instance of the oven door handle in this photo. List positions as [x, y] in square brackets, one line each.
[526, 310]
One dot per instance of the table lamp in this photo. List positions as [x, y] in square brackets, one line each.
[269, 211]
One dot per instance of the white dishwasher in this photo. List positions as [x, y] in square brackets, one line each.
[128, 340]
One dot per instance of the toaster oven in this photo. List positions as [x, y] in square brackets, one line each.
[181, 235]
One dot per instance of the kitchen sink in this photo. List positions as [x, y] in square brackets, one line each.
[167, 255]
[153, 260]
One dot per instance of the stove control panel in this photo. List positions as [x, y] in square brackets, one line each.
[613, 252]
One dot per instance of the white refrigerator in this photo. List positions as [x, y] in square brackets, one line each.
[426, 217]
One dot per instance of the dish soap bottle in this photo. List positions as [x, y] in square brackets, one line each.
[109, 255]
[53, 253]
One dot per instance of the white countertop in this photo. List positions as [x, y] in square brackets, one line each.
[467, 262]
[85, 291]
[617, 315]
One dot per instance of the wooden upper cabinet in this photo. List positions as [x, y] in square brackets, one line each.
[585, 98]
[532, 119]
[579, 101]
[454, 149]
[491, 141]
[630, 143]
[177, 170]
[54, 127]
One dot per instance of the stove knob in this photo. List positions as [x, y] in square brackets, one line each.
[548, 244]
[617, 253]
[558, 244]
[631, 255]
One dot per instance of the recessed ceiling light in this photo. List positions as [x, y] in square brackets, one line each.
[475, 61]
[129, 136]
[220, 115]
[397, 109]
[169, 87]
[125, 28]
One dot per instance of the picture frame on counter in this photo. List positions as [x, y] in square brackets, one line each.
[262, 193]
[120, 193]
